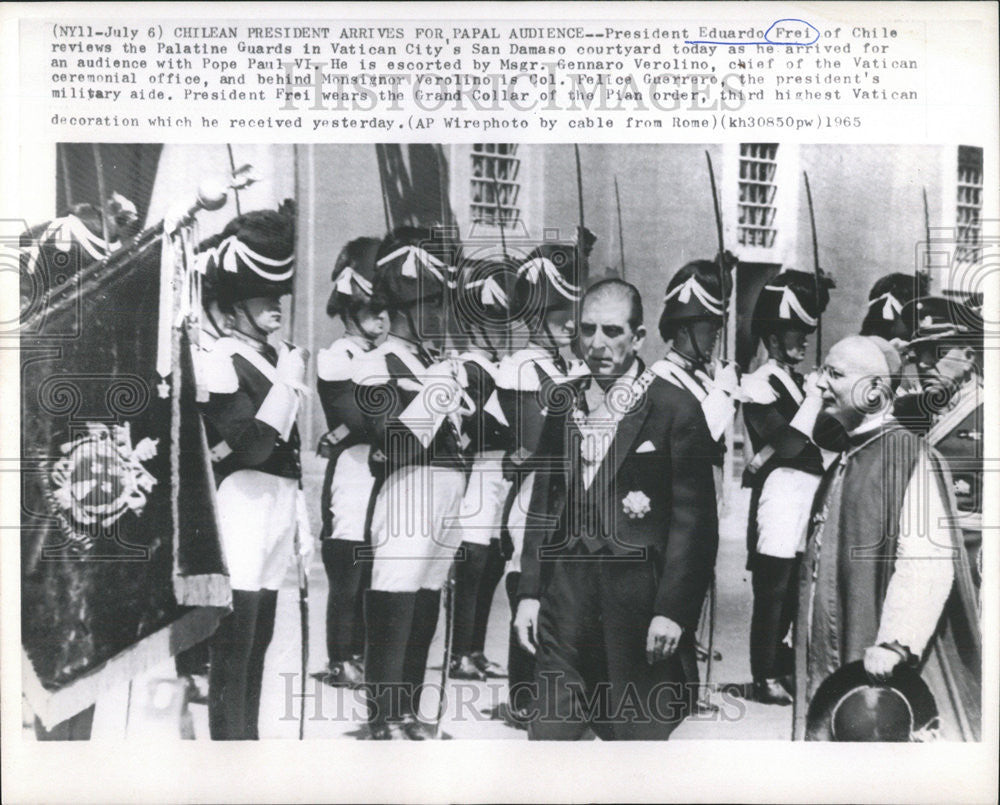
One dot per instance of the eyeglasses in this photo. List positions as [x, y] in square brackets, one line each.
[589, 329]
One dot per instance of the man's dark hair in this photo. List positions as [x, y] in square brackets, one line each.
[618, 288]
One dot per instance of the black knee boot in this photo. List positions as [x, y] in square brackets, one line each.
[343, 603]
[770, 582]
[358, 633]
[520, 662]
[388, 621]
[229, 658]
[468, 577]
[262, 634]
[492, 574]
[425, 617]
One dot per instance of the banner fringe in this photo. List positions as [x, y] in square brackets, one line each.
[54, 707]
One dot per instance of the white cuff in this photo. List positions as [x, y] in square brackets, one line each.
[804, 420]
[333, 366]
[279, 409]
[910, 615]
[718, 408]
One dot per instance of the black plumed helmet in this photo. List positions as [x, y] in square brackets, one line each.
[790, 300]
[483, 293]
[255, 255]
[353, 276]
[548, 279]
[885, 303]
[412, 264]
[697, 290]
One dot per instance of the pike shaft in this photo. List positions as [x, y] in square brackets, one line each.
[819, 315]
[621, 230]
[721, 257]
[579, 183]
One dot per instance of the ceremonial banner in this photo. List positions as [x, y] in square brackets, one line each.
[121, 564]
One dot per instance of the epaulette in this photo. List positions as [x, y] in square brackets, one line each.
[769, 377]
[220, 374]
[517, 372]
[370, 369]
[336, 362]
[757, 386]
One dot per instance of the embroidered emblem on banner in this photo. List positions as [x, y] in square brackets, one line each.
[100, 476]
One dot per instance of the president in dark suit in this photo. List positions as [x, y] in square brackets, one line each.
[620, 544]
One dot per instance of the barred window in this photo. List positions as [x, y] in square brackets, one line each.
[969, 204]
[495, 168]
[758, 164]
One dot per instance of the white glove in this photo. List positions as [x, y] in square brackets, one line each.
[757, 389]
[307, 547]
[292, 367]
[811, 385]
[727, 378]
[306, 544]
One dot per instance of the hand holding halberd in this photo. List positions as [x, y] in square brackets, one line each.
[292, 366]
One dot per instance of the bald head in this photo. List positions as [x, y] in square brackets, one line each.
[856, 380]
[861, 354]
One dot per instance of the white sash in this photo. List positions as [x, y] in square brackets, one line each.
[780, 372]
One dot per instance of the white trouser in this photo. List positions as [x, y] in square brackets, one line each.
[350, 493]
[482, 505]
[258, 516]
[783, 512]
[516, 520]
[413, 528]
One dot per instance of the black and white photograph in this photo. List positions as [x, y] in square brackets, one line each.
[500, 440]
[499, 402]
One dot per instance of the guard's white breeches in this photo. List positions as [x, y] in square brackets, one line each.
[485, 495]
[783, 512]
[258, 516]
[413, 531]
[350, 492]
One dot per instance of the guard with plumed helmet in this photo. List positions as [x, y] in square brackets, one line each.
[348, 482]
[255, 388]
[785, 470]
[411, 405]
